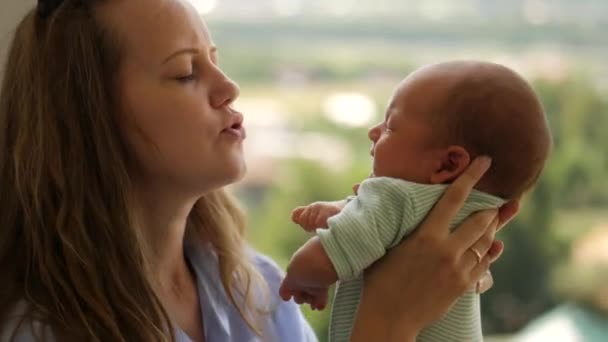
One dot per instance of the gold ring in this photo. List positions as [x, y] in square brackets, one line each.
[477, 254]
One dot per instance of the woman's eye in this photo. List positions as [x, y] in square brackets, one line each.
[186, 78]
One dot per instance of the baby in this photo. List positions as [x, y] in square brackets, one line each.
[439, 119]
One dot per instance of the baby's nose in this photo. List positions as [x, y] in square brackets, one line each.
[373, 133]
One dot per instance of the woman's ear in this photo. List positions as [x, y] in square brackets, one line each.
[454, 160]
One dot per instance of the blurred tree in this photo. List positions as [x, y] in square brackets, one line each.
[578, 115]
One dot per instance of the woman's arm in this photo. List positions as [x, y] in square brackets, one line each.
[418, 281]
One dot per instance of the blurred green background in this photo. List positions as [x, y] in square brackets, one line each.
[315, 75]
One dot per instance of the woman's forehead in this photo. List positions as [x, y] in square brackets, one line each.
[153, 29]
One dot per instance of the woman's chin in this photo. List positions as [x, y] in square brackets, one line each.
[222, 175]
[234, 172]
[241, 174]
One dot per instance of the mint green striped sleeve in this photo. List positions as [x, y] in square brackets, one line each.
[379, 219]
[367, 226]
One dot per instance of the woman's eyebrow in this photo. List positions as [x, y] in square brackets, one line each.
[190, 50]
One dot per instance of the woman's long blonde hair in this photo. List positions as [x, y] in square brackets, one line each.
[70, 248]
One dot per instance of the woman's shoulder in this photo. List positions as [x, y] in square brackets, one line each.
[268, 268]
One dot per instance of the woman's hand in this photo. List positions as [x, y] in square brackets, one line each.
[417, 281]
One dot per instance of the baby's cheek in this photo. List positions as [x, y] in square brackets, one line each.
[381, 162]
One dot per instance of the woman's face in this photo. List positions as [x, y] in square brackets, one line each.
[174, 100]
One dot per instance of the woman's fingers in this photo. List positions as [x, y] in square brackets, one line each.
[496, 250]
[454, 197]
[485, 283]
[480, 269]
[507, 212]
[474, 228]
[474, 254]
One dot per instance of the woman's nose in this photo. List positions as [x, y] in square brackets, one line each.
[225, 92]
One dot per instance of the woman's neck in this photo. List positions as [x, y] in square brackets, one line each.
[164, 219]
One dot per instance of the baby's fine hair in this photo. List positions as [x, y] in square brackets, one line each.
[491, 110]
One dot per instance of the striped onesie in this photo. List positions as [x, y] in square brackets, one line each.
[379, 217]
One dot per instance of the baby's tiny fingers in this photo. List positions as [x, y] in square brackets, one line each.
[321, 221]
[321, 300]
[284, 292]
[303, 297]
[296, 214]
[298, 298]
[314, 212]
[303, 219]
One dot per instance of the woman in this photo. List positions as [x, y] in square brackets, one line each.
[117, 137]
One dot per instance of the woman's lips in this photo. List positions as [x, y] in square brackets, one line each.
[237, 130]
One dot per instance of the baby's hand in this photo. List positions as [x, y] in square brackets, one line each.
[315, 215]
[310, 273]
[315, 296]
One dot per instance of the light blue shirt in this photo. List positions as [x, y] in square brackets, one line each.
[221, 320]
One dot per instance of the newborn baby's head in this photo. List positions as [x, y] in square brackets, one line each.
[444, 115]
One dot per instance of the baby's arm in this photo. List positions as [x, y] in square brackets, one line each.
[309, 275]
[315, 215]
[368, 226]
[357, 237]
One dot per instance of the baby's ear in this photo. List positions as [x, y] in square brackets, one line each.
[454, 160]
